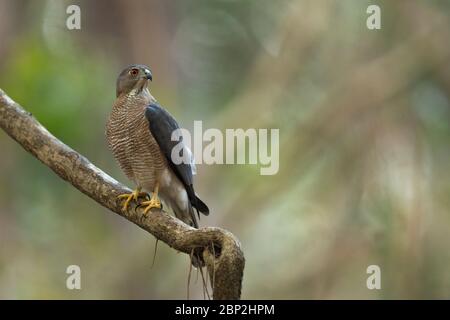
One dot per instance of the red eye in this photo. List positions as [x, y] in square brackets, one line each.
[134, 72]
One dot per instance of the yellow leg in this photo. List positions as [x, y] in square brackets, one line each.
[153, 202]
[131, 196]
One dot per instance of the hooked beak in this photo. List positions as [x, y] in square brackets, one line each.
[148, 75]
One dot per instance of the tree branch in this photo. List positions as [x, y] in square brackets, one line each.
[221, 249]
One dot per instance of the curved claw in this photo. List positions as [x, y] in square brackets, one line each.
[152, 203]
[135, 195]
[139, 205]
[148, 208]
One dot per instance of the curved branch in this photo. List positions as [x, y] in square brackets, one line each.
[224, 259]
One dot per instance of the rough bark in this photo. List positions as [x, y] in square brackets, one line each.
[224, 260]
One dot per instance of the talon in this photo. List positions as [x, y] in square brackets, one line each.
[152, 203]
[131, 196]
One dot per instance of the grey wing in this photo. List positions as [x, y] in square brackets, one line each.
[162, 125]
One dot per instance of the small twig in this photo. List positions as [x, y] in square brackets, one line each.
[154, 253]
[189, 275]
[214, 267]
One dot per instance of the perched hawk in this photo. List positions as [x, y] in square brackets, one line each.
[139, 134]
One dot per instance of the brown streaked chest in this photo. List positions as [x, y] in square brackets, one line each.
[131, 141]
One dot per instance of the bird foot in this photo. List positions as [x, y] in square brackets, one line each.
[135, 195]
[152, 203]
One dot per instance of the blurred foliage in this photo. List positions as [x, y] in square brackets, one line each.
[364, 143]
[60, 89]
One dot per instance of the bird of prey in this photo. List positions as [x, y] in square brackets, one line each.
[139, 134]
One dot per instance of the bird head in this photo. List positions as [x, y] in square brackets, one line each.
[134, 77]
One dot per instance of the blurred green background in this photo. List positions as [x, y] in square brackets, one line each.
[364, 143]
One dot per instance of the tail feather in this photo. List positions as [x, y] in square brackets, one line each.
[191, 220]
[200, 206]
[196, 202]
[187, 216]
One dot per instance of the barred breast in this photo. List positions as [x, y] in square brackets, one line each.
[132, 143]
